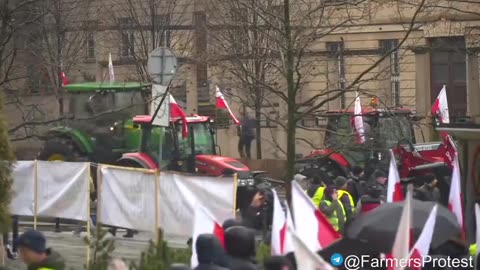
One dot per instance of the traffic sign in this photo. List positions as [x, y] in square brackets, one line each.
[162, 65]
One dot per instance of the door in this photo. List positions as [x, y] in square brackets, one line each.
[448, 67]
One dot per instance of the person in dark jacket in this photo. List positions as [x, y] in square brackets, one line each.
[428, 191]
[210, 253]
[371, 200]
[379, 177]
[246, 133]
[357, 185]
[277, 263]
[240, 247]
[34, 252]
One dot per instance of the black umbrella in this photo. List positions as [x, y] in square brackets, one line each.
[346, 247]
[379, 226]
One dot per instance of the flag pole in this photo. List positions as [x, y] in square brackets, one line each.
[161, 102]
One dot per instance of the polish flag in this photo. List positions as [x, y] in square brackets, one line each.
[312, 226]
[422, 246]
[305, 257]
[111, 73]
[204, 223]
[281, 242]
[455, 196]
[440, 107]
[401, 246]
[358, 119]
[394, 189]
[63, 78]
[177, 112]
[223, 105]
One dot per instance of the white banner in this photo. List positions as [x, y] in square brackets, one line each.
[63, 189]
[179, 194]
[23, 187]
[127, 199]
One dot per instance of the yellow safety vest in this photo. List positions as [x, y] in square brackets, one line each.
[318, 196]
[350, 198]
[473, 250]
[334, 218]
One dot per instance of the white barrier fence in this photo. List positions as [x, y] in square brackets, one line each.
[130, 198]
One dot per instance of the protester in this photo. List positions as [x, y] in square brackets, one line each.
[240, 247]
[379, 177]
[344, 196]
[251, 216]
[11, 247]
[372, 199]
[34, 252]
[247, 135]
[332, 208]
[428, 191]
[277, 263]
[210, 253]
[357, 185]
[316, 190]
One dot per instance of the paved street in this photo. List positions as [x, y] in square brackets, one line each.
[74, 248]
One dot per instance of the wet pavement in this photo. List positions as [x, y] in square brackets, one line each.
[74, 249]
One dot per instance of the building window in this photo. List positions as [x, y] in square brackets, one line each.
[336, 51]
[91, 46]
[126, 26]
[161, 27]
[391, 45]
[128, 44]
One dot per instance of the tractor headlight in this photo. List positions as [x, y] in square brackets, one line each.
[246, 182]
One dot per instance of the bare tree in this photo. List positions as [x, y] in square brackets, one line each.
[292, 57]
[57, 41]
[144, 25]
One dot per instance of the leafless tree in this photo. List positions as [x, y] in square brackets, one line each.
[292, 28]
[144, 25]
[57, 41]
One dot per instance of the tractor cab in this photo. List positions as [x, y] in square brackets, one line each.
[168, 150]
[383, 130]
[98, 125]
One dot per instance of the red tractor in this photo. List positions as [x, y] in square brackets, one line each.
[166, 149]
[384, 130]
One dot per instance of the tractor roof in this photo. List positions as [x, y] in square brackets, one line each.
[371, 111]
[95, 86]
[143, 119]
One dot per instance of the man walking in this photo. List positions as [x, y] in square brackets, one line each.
[246, 134]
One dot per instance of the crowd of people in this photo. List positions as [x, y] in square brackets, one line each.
[341, 199]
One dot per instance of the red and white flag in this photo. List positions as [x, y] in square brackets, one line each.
[401, 246]
[63, 78]
[306, 258]
[358, 119]
[440, 107]
[177, 112]
[281, 242]
[204, 223]
[422, 246]
[455, 196]
[223, 105]
[394, 188]
[111, 73]
[311, 225]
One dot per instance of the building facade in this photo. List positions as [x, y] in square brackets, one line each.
[403, 54]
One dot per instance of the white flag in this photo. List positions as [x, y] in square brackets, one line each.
[358, 119]
[111, 73]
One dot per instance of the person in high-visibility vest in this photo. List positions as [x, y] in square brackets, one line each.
[34, 252]
[333, 209]
[344, 196]
[316, 190]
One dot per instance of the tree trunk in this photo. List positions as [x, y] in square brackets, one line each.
[60, 106]
[291, 106]
[258, 135]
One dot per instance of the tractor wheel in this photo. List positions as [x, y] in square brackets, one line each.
[61, 149]
[324, 168]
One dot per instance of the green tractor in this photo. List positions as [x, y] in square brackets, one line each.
[98, 125]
